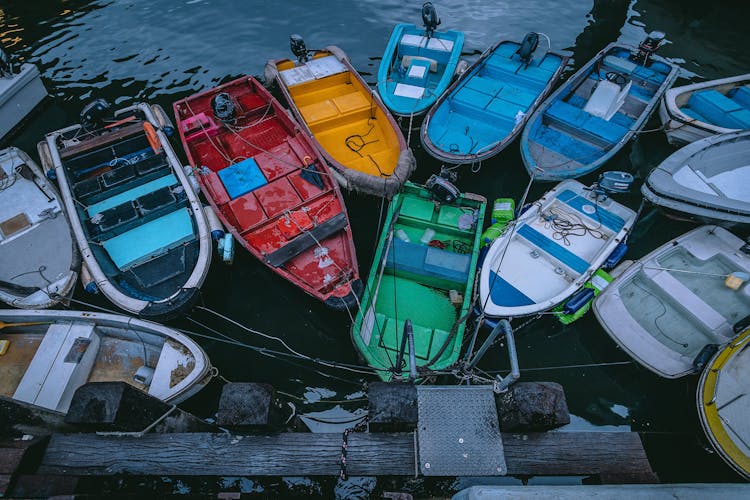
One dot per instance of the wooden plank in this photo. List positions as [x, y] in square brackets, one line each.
[101, 140]
[373, 454]
[307, 239]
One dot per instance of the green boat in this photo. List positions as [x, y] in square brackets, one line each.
[423, 271]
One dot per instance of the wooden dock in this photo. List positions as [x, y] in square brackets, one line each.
[613, 456]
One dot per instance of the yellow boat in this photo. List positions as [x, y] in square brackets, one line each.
[349, 123]
[724, 403]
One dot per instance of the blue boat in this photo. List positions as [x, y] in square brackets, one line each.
[599, 109]
[488, 106]
[418, 65]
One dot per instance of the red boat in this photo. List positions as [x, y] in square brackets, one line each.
[271, 188]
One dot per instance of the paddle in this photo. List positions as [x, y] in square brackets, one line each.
[3, 324]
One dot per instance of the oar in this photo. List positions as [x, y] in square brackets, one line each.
[3, 324]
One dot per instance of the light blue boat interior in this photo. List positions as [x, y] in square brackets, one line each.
[730, 110]
[564, 141]
[410, 69]
[484, 108]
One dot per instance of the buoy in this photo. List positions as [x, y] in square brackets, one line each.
[191, 178]
[87, 280]
[225, 247]
[51, 174]
[580, 302]
[153, 138]
[616, 256]
[214, 224]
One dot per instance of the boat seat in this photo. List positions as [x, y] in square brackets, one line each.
[607, 218]
[741, 95]
[429, 261]
[554, 249]
[61, 364]
[417, 208]
[131, 194]
[410, 91]
[425, 337]
[688, 300]
[583, 121]
[407, 61]
[172, 357]
[720, 109]
[118, 175]
[417, 72]
[150, 239]
[351, 103]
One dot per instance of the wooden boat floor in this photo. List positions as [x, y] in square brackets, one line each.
[14, 362]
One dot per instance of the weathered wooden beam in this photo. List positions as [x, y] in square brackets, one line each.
[370, 454]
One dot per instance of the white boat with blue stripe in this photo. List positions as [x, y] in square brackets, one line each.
[551, 250]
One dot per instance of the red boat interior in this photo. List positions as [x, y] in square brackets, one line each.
[270, 186]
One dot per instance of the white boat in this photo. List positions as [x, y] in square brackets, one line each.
[50, 354]
[21, 89]
[666, 307]
[39, 260]
[692, 112]
[706, 181]
[551, 250]
[724, 403]
[138, 222]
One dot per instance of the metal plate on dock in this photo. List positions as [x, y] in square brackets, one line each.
[458, 432]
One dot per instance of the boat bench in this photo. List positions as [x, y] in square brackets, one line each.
[512, 70]
[719, 109]
[391, 331]
[115, 181]
[153, 238]
[629, 68]
[591, 125]
[740, 95]
[554, 249]
[61, 364]
[480, 106]
[427, 261]
[600, 214]
[431, 48]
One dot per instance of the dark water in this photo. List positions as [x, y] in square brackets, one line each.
[163, 50]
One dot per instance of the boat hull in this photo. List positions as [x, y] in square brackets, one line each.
[684, 125]
[488, 106]
[664, 308]
[19, 95]
[705, 181]
[272, 190]
[156, 359]
[346, 120]
[138, 223]
[39, 254]
[423, 270]
[719, 400]
[589, 119]
[551, 251]
[416, 70]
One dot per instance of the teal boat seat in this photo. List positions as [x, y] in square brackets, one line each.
[417, 72]
[720, 109]
[148, 240]
[131, 194]
[241, 178]
[593, 125]
[741, 95]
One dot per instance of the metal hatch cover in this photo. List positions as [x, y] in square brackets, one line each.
[458, 432]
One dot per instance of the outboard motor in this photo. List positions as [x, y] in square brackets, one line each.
[442, 190]
[94, 114]
[614, 182]
[429, 18]
[299, 48]
[647, 47]
[528, 46]
[223, 108]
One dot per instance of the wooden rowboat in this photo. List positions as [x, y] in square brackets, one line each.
[270, 188]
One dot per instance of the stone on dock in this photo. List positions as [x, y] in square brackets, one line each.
[392, 407]
[118, 406]
[532, 406]
[249, 406]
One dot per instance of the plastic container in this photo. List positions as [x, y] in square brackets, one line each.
[401, 234]
[492, 233]
[503, 210]
[427, 236]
